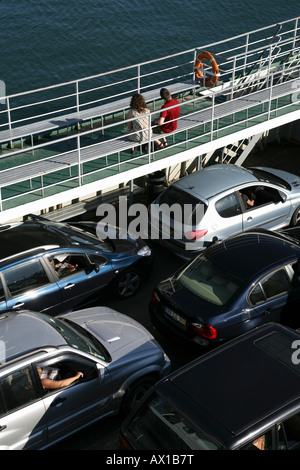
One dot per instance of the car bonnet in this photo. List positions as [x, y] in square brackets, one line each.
[118, 333]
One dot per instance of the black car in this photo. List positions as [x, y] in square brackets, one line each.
[233, 286]
[55, 267]
[242, 395]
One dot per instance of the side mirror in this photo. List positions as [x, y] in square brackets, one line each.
[283, 196]
[96, 268]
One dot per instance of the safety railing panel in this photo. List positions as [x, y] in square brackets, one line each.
[259, 81]
[238, 57]
[102, 152]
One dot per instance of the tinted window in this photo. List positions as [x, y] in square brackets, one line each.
[228, 206]
[289, 433]
[190, 208]
[2, 407]
[209, 282]
[18, 389]
[2, 295]
[26, 277]
[276, 284]
[257, 296]
[159, 426]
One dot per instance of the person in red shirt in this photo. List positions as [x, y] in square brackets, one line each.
[168, 117]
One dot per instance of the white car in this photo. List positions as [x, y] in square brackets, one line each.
[219, 201]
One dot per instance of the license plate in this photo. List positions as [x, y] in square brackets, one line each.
[177, 318]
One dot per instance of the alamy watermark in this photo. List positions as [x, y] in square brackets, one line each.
[160, 222]
[296, 354]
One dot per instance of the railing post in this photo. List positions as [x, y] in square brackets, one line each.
[270, 97]
[9, 118]
[195, 57]
[77, 96]
[233, 76]
[295, 33]
[139, 78]
[149, 139]
[246, 52]
[79, 159]
[212, 117]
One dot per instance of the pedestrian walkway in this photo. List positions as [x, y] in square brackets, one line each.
[52, 157]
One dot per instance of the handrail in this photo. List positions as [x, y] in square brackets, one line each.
[239, 53]
[255, 62]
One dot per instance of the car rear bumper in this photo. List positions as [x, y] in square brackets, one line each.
[163, 325]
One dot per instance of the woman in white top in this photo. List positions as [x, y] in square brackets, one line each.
[138, 129]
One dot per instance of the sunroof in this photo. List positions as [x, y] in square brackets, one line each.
[284, 347]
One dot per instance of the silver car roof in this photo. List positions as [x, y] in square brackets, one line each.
[23, 332]
[214, 179]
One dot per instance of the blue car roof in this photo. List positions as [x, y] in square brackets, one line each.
[251, 253]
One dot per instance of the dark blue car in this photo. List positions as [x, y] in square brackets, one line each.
[233, 286]
[56, 267]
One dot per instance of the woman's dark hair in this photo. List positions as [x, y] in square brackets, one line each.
[138, 102]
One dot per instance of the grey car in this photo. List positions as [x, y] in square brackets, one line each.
[219, 201]
[118, 357]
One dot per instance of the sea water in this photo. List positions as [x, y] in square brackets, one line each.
[46, 42]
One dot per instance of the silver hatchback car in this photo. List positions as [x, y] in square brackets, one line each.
[222, 200]
[58, 375]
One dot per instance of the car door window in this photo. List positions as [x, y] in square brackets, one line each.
[264, 195]
[289, 433]
[274, 285]
[22, 420]
[2, 294]
[66, 368]
[18, 389]
[67, 264]
[26, 277]
[228, 206]
[261, 442]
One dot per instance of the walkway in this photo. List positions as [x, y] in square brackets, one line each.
[56, 156]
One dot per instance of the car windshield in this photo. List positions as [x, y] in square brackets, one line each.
[266, 177]
[77, 337]
[209, 282]
[160, 426]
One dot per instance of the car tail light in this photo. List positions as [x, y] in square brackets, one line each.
[205, 330]
[155, 297]
[195, 234]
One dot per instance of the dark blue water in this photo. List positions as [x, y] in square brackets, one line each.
[47, 42]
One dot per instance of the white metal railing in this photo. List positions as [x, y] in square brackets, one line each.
[211, 128]
[243, 52]
[262, 56]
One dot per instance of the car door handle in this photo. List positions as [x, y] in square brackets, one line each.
[68, 286]
[249, 218]
[58, 401]
[18, 305]
[2, 427]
